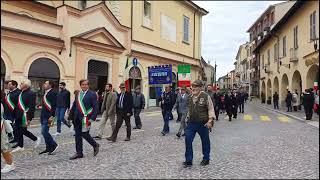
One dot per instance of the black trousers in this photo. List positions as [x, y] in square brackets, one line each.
[121, 116]
[79, 135]
[216, 111]
[241, 108]
[308, 111]
[20, 131]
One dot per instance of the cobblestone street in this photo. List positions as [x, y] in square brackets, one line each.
[259, 144]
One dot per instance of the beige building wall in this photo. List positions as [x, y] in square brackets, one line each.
[279, 80]
[71, 38]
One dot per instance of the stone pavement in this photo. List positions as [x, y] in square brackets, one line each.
[259, 144]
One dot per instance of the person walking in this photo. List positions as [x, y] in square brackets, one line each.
[231, 105]
[295, 100]
[167, 101]
[275, 100]
[182, 105]
[24, 115]
[240, 98]
[289, 101]
[308, 101]
[48, 108]
[5, 151]
[84, 111]
[316, 102]
[200, 118]
[63, 104]
[108, 110]
[124, 108]
[218, 104]
[138, 104]
[10, 102]
[177, 93]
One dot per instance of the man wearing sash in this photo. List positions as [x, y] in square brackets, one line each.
[11, 102]
[85, 110]
[49, 102]
[24, 114]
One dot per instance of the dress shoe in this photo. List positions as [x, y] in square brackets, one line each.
[178, 135]
[97, 138]
[136, 128]
[204, 162]
[111, 139]
[187, 164]
[127, 139]
[96, 150]
[76, 156]
[183, 134]
[45, 151]
[163, 134]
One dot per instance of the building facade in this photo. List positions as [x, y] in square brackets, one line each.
[71, 40]
[242, 67]
[289, 52]
[256, 32]
[209, 72]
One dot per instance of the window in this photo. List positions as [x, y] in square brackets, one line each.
[275, 55]
[313, 34]
[185, 29]
[295, 37]
[268, 56]
[147, 9]
[284, 46]
[82, 4]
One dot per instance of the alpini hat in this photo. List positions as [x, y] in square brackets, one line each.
[197, 83]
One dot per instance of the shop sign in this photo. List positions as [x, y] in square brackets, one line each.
[160, 74]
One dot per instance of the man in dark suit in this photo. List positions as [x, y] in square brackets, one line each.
[84, 111]
[24, 114]
[240, 100]
[49, 102]
[124, 112]
[10, 104]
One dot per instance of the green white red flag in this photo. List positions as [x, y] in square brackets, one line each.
[184, 75]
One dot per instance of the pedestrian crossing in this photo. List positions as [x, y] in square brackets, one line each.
[245, 117]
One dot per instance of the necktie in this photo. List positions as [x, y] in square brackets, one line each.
[121, 101]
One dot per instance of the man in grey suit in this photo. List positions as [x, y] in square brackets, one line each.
[182, 105]
[108, 109]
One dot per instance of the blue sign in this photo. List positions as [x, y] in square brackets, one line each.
[160, 74]
[135, 61]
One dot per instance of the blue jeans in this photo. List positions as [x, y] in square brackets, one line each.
[190, 132]
[60, 117]
[166, 115]
[50, 143]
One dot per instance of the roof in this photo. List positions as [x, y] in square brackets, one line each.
[195, 6]
[262, 15]
[297, 5]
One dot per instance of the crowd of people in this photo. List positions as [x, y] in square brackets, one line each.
[309, 100]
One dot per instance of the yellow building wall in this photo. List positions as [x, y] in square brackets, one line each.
[305, 47]
[173, 9]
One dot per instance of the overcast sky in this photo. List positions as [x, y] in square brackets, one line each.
[224, 29]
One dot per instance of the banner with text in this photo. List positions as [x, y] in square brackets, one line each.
[184, 75]
[160, 74]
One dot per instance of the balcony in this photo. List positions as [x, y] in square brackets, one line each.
[294, 55]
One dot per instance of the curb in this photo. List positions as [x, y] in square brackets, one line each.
[289, 115]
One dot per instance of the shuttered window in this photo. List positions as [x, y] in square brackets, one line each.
[185, 29]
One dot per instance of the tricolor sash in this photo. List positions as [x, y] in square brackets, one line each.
[46, 103]
[9, 102]
[24, 109]
[85, 119]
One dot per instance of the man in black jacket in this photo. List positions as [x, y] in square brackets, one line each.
[308, 101]
[10, 104]
[124, 112]
[24, 114]
[63, 103]
[231, 105]
[48, 109]
[276, 100]
[167, 101]
[289, 102]
[240, 98]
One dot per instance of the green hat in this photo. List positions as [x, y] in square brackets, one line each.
[197, 83]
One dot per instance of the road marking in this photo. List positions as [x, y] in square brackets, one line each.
[158, 127]
[247, 117]
[265, 118]
[284, 119]
[136, 131]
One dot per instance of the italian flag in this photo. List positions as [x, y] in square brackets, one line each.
[184, 75]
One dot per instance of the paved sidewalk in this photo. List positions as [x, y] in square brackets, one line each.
[299, 115]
